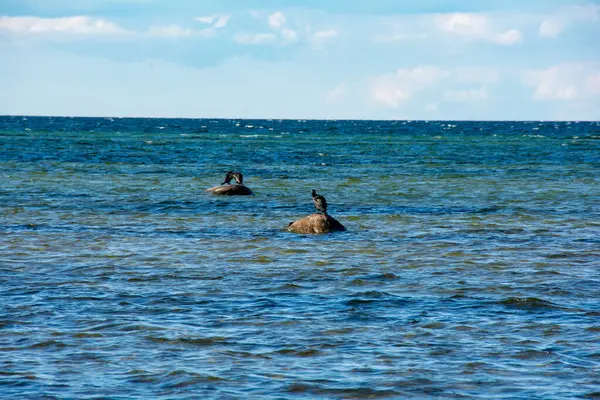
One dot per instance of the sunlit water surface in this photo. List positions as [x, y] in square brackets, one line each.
[470, 268]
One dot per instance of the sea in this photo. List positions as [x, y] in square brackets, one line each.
[470, 268]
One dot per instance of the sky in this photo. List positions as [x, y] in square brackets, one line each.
[335, 59]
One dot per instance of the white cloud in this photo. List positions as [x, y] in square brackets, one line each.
[564, 82]
[217, 21]
[393, 89]
[321, 37]
[282, 36]
[508, 38]
[283, 32]
[80, 25]
[389, 95]
[556, 24]
[277, 20]
[289, 35]
[551, 27]
[285, 37]
[254, 38]
[467, 95]
[461, 84]
[206, 20]
[477, 26]
[221, 21]
[174, 31]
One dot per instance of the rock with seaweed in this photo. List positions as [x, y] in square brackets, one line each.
[230, 190]
[316, 223]
[227, 189]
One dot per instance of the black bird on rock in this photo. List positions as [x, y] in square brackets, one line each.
[319, 202]
[228, 178]
[239, 178]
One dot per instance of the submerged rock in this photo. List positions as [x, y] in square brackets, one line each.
[316, 223]
[230, 190]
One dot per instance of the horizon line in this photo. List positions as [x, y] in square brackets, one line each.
[299, 119]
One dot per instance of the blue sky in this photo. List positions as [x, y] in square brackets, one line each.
[376, 59]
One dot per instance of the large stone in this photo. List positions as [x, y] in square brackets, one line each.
[230, 190]
[316, 223]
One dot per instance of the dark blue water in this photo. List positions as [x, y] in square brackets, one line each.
[470, 268]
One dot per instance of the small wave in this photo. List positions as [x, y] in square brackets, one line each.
[528, 303]
[346, 393]
[532, 354]
[194, 341]
[309, 352]
[246, 354]
[591, 395]
[180, 379]
[376, 298]
[358, 302]
[290, 286]
[373, 294]
[48, 343]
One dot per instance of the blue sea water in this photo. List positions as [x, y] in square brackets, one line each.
[470, 268]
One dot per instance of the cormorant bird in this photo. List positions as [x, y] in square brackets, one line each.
[228, 178]
[239, 178]
[319, 202]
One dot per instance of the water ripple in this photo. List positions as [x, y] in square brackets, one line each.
[469, 268]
